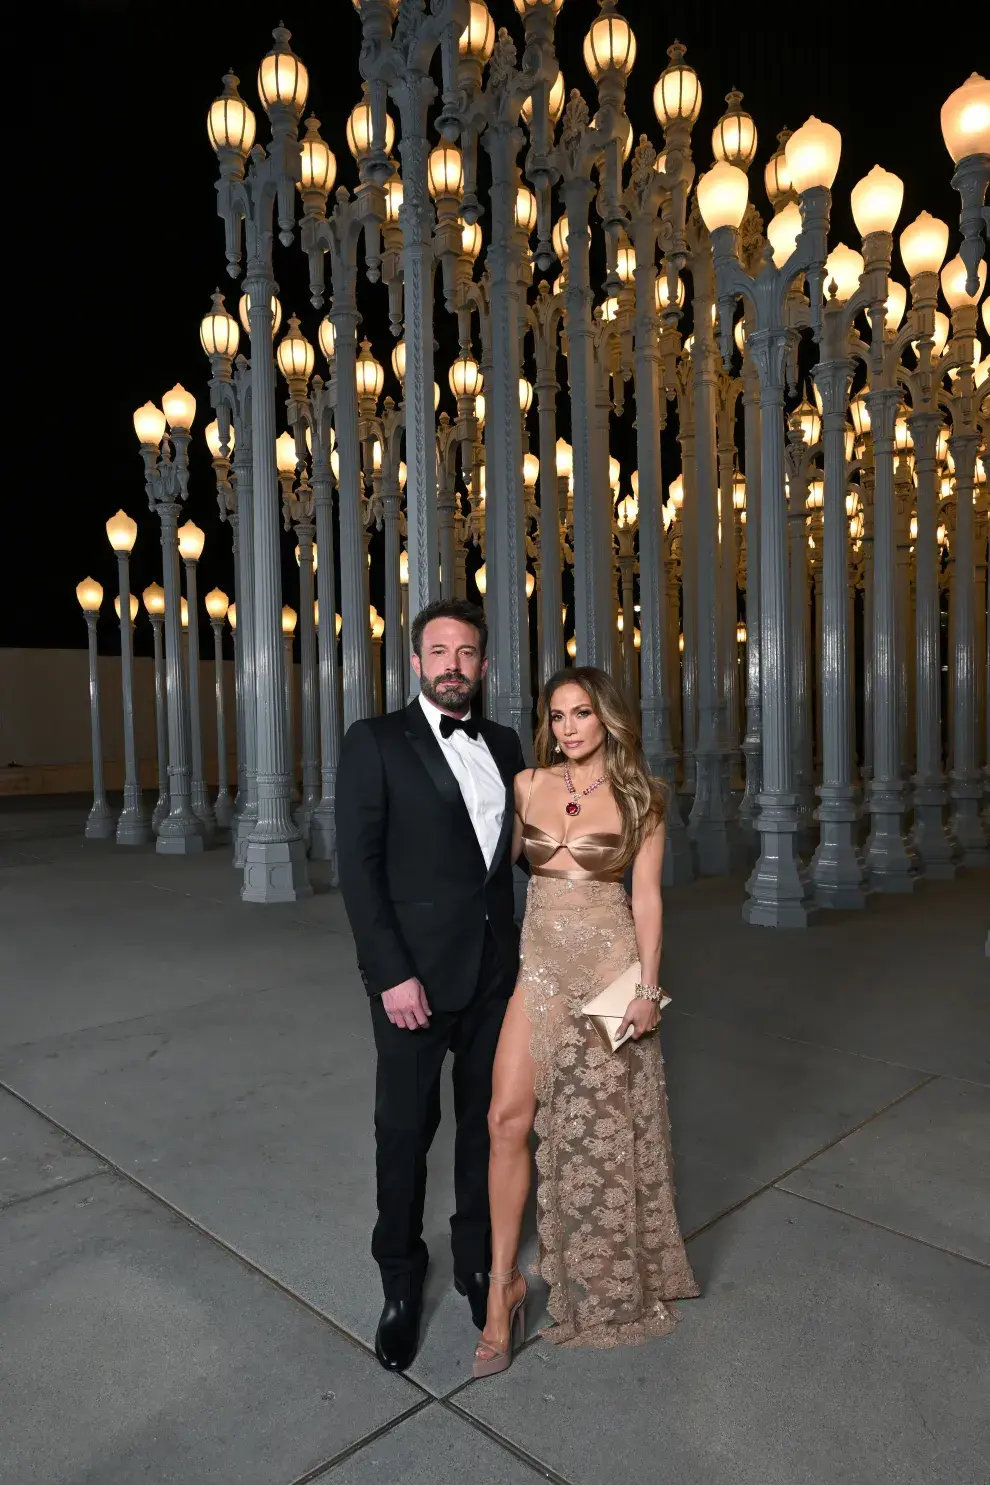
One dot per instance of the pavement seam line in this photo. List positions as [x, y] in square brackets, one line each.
[910, 1237]
[771, 1184]
[543, 1470]
[17, 1201]
[320, 1470]
[249, 1263]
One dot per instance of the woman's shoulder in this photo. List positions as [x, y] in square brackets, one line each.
[527, 778]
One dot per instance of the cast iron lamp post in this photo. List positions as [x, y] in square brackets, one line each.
[133, 827]
[191, 541]
[154, 603]
[779, 890]
[166, 473]
[101, 823]
[966, 131]
[217, 606]
[252, 184]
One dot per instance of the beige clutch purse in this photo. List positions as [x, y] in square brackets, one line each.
[606, 1010]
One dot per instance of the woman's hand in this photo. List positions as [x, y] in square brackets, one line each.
[642, 1015]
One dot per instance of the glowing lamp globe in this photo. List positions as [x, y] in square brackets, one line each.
[179, 407]
[564, 459]
[954, 282]
[445, 171]
[219, 332]
[295, 355]
[212, 435]
[777, 175]
[783, 231]
[477, 40]
[90, 595]
[465, 376]
[369, 373]
[481, 579]
[525, 395]
[317, 161]
[843, 268]
[154, 599]
[723, 194]
[734, 136]
[230, 123]
[677, 94]
[610, 45]
[675, 492]
[923, 244]
[122, 532]
[149, 425]
[558, 238]
[876, 201]
[289, 618]
[966, 119]
[525, 210]
[191, 542]
[244, 314]
[184, 613]
[132, 606]
[530, 584]
[359, 130]
[471, 239]
[399, 361]
[812, 154]
[283, 81]
[556, 99]
[530, 470]
[285, 454]
[217, 604]
[404, 568]
[232, 616]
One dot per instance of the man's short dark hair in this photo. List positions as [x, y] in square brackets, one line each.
[450, 608]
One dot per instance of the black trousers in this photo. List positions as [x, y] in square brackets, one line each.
[407, 1114]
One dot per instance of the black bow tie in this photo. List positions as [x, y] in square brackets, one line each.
[450, 725]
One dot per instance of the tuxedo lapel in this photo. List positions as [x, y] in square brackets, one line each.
[423, 742]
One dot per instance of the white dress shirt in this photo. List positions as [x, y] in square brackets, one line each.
[482, 786]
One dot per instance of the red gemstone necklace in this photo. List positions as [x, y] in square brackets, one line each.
[572, 807]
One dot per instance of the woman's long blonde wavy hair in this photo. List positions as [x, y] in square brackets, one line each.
[640, 797]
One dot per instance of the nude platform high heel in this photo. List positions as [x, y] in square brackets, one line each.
[488, 1360]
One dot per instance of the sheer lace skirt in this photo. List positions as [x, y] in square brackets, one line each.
[610, 1246]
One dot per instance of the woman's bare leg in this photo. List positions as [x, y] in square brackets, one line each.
[510, 1121]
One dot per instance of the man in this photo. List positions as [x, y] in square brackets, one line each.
[424, 832]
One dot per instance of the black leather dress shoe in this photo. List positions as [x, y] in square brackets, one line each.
[397, 1336]
[475, 1287]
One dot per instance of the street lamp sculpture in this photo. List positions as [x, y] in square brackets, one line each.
[252, 184]
[101, 823]
[166, 474]
[779, 889]
[191, 542]
[154, 603]
[966, 131]
[133, 826]
[230, 443]
[217, 606]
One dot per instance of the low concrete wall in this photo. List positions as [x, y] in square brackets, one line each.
[44, 720]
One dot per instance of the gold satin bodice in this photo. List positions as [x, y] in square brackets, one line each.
[595, 855]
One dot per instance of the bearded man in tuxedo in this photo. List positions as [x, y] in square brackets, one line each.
[424, 805]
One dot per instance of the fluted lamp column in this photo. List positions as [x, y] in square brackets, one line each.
[154, 603]
[134, 825]
[191, 542]
[101, 823]
[217, 604]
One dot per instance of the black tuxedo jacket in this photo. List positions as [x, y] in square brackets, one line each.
[415, 885]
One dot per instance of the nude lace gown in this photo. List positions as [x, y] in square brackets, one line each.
[610, 1246]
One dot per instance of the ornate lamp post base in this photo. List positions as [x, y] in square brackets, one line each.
[891, 865]
[101, 823]
[712, 829]
[134, 827]
[779, 888]
[966, 823]
[323, 838]
[837, 871]
[678, 859]
[223, 810]
[275, 871]
[937, 852]
[180, 835]
[243, 829]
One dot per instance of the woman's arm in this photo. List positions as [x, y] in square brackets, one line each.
[647, 911]
[521, 790]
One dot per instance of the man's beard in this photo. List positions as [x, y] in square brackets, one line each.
[451, 691]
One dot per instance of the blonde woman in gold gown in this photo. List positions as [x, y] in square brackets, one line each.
[610, 1247]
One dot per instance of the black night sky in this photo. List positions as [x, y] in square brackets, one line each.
[124, 245]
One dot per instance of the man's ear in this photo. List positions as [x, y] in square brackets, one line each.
[417, 667]
[484, 667]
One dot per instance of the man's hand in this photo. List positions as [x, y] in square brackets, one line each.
[406, 1005]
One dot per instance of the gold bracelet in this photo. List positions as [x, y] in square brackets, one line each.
[649, 992]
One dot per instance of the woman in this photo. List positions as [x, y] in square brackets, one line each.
[611, 1249]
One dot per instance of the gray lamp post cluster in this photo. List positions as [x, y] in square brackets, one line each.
[780, 611]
